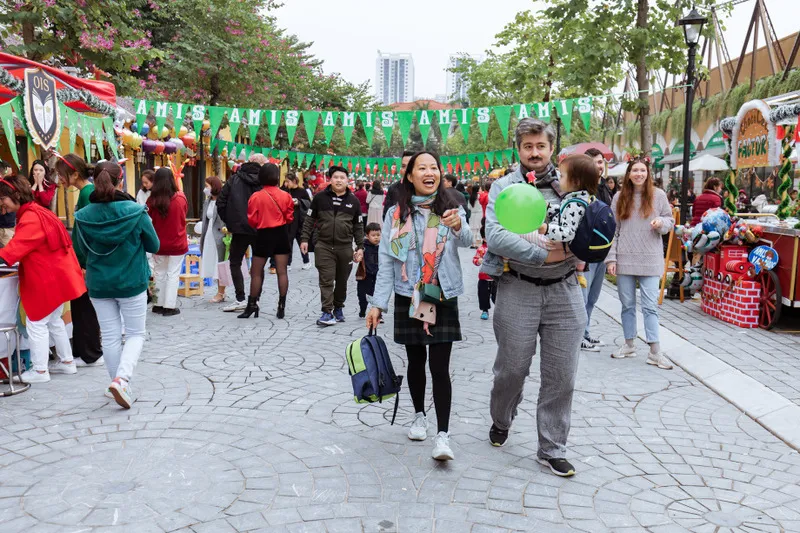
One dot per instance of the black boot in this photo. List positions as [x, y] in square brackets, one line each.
[252, 307]
[281, 306]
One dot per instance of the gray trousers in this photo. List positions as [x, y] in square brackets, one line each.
[557, 314]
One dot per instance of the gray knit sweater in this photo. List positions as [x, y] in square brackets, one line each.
[638, 249]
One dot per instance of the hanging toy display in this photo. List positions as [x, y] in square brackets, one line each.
[705, 236]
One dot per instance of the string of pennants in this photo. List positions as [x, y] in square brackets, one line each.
[387, 121]
[97, 129]
[381, 166]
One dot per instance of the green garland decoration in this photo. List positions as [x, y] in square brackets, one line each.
[730, 183]
[785, 173]
[64, 95]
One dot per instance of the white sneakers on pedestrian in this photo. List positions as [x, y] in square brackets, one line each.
[660, 360]
[32, 376]
[419, 427]
[81, 363]
[61, 367]
[121, 391]
[235, 306]
[307, 266]
[624, 351]
[441, 447]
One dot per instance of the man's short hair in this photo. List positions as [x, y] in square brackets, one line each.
[533, 126]
[261, 159]
[372, 226]
[407, 153]
[452, 179]
[594, 152]
[335, 169]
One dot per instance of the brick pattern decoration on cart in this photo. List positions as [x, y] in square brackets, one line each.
[730, 296]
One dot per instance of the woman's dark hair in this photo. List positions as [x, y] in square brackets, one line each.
[163, 190]
[443, 201]
[581, 172]
[44, 166]
[473, 194]
[487, 186]
[291, 176]
[149, 173]
[377, 187]
[17, 188]
[215, 184]
[452, 179]
[269, 175]
[107, 176]
[72, 163]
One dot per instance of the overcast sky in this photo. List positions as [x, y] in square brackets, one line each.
[348, 33]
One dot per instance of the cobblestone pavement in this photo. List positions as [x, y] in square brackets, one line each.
[770, 357]
[250, 425]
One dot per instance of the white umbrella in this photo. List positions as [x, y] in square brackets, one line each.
[704, 162]
[618, 171]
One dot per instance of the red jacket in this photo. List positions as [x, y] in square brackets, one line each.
[477, 260]
[361, 194]
[44, 197]
[708, 200]
[49, 274]
[269, 208]
[483, 199]
[171, 230]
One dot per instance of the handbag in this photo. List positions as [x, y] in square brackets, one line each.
[433, 294]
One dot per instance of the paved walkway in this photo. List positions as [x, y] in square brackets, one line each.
[250, 426]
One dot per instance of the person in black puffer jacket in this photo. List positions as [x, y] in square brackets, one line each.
[232, 209]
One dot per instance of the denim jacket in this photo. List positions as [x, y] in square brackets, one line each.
[389, 272]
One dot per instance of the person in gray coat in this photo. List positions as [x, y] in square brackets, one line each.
[212, 248]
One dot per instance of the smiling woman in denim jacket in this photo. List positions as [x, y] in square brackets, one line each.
[419, 260]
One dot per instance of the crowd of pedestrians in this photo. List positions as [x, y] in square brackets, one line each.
[404, 240]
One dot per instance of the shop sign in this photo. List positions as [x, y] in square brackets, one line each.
[763, 258]
[754, 137]
[41, 108]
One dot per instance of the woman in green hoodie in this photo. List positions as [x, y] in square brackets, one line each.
[110, 237]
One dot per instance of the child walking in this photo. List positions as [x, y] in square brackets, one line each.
[487, 288]
[367, 271]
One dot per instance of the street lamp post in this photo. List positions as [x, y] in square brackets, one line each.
[692, 29]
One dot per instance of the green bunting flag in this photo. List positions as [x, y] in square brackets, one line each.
[443, 117]
[387, 124]
[522, 111]
[405, 118]
[508, 155]
[292, 158]
[198, 115]
[72, 124]
[7, 120]
[253, 123]
[564, 111]
[310, 119]
[178, 111]
[368, 122]
[86, 134]
[292, 120]
[585, 111]
[142, 109]
[424, 124]
[542, 111]
[111, 137]
[160, 110]
[234, 121]
[348, 125]
[273, 123]
[503, 115]
[97, 126]
[329, 119]
[215, 115]
[483, 116]
[464, 120]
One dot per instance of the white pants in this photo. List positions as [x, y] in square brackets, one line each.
[166, 271]
[121, 360]
[39, 333]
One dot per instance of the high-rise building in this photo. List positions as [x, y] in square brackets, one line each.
[457, 86]
[394, 78]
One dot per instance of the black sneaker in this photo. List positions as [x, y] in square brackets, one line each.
[497, 436]
[362, 314]
[158, 309]
[170, 312]
[560, 467]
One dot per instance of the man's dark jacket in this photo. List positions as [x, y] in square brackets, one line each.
[232, 201]
[335, 227]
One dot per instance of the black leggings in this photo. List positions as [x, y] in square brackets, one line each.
[440, 377]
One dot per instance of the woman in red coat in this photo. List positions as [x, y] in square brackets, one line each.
[167, 207]
[709, 199]
[43, 189]
[270, 212]
[49, 276]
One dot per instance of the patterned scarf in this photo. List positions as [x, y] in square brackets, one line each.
[403, 239]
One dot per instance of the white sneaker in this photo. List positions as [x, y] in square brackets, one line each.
[307, 266]
[121, 391]
[441, 447]
[236, 306]
[81, 363]
[660, 360]
[32, 376]
[289, 268]
[587, 346]
[624, 351]
[419, 427]
[62, 367]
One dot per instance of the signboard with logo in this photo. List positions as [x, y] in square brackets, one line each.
[753, 138]
[763, 258]
[41, 108]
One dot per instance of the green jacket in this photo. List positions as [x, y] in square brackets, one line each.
[337, 218]
[110, 240]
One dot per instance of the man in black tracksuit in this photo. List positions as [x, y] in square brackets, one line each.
[232, 209]
[336, 212]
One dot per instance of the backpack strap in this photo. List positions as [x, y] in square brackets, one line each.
[574, 201]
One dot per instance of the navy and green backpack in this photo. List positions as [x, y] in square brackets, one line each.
[371, 371]
[595, 232]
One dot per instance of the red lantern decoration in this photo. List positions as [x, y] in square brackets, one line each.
[780, 132]
[486, 164]
[467, 167]
[394, 170]
[449, 167]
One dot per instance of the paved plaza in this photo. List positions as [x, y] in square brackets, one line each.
[250, 425]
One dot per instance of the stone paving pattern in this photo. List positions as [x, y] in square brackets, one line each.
[250, 425]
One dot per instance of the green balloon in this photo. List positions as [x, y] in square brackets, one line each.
[520, 208]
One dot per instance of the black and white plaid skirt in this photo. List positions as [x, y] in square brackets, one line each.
[409, 331]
